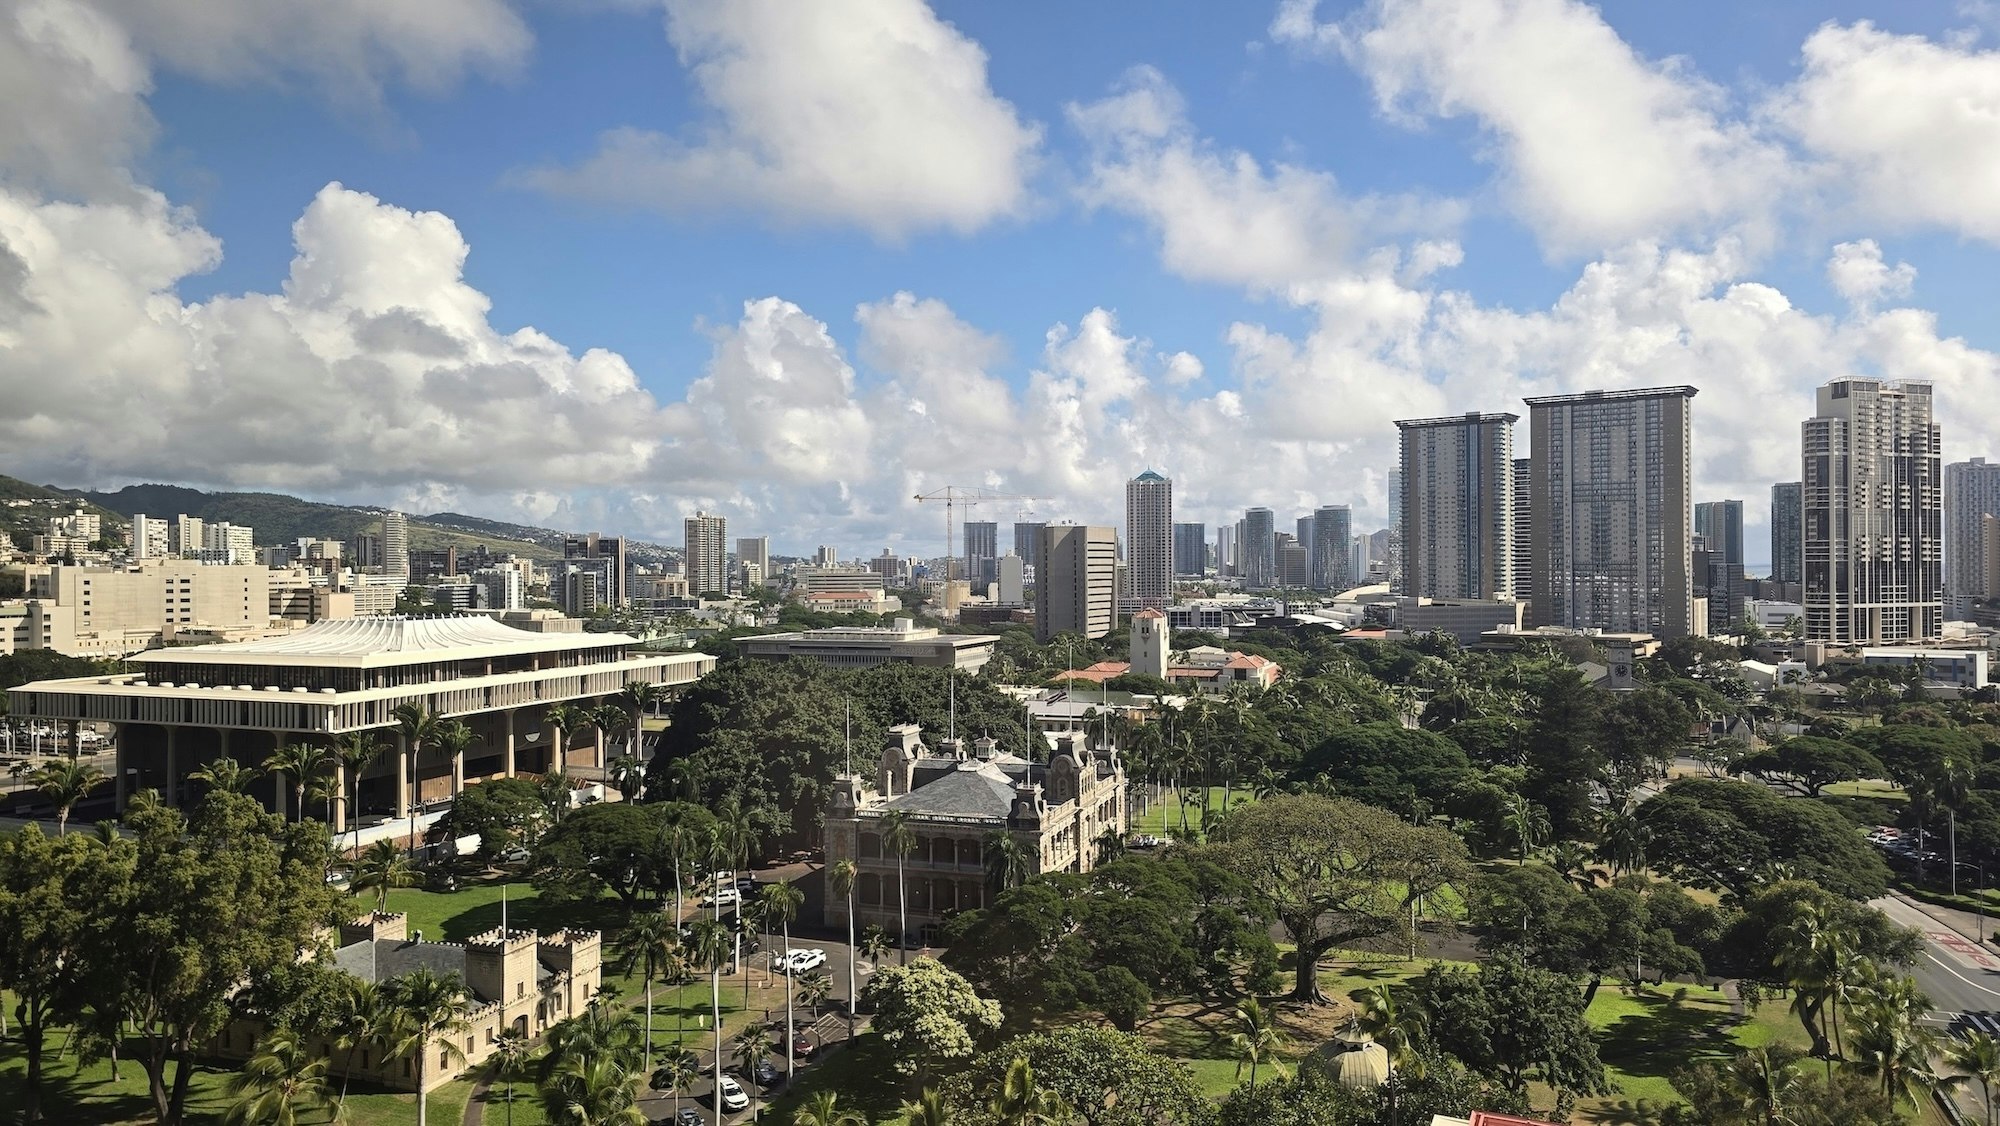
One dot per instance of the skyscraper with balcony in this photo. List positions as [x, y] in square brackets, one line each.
[1190, 549]
[1608, 483]
[1149, 540]
[1872, 507]
[1256, 549]
[1332, 559]
[1971, 494]
[1457, 519]
[1787, 526]
[1076, 581]
[982, 548]
[1522, 530]
[1719, 523]
[704, 554]
[396, 544]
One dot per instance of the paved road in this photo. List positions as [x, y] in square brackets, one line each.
[1961, 977]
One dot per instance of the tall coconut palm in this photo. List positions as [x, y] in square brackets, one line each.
[638, 697]
[1527, 823]
[1622, 839]
[381, 867]
[929, 1109]
[565, 720]
[425, 1013]
[356, 753]
[301, 764]
[898, 837]
[823, 1109]
[227, 775]
[814, 990]
[1978, 1057]
[680, 843]
[751, 1046]
[1397, 1030]
[284, 1081]
[66, 782]
[840, 879]
[1951, 787]
[1762, 1087]
[1891, 1044]
[510, 1050]
[1020, 1101]
[592, 1091]
[677, 1072]
[874, 943]
[605, 719]
[1813, 953]
[708, 947]
[782, 902]
[1255, 1038]
[627, 776]
[650, 937]
[1008, 864]
[358, 1024]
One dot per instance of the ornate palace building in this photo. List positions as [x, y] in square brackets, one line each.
[953, 799]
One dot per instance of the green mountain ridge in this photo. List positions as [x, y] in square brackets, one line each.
[275, 517]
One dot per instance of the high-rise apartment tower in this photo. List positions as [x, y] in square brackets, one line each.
[1872, 507]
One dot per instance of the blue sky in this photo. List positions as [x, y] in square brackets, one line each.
[1342, 213]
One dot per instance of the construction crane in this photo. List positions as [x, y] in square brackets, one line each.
[953, 497]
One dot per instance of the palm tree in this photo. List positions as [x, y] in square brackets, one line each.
[1890, 1043]
[553, 789]
[1951, 787]
[752, 1045]
[899, 838]
[1622, 840]
[1573, 861]
[649, 938]
[678, 841]
[823, 1109]
[66, 782]
[452, 740]
[782, 902]
[677, 1072]
[355, 753]
[510, 1048]
[303, 763]
[383, 866]
[929, 1109]
[1978, 1056]
[592, 1091]
[1397, 1030]
[425, 1012]
[284, 1080]
[1527, 823]
[708, 945]
[874, 943]
[604, 719]
[566, 720]
[628, 776]
[1008, 864]
[1762, 1086]
[226, 774]
[840, 878]
[639, 698]
[1255, 1037]
[814, 990]
[358, 1024]
[1813, 954]
[1020, 1101]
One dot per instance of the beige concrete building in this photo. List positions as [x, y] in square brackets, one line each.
[953, 797]
[863, 647]
[517, 981]
[114, 611]
[1076, 580]
[180, 709]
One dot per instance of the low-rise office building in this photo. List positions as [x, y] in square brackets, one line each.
[864, 647]
[181, 709]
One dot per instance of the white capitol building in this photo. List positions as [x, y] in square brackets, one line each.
[180, 709]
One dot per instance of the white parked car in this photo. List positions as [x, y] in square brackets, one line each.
[722, 897]
[733, 1097]
[799, 961]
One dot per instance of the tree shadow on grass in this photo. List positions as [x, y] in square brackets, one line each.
[1664, 1039]
[93, 1097]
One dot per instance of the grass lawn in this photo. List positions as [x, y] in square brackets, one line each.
[1644, 1038]
[1165, 815]
[1867, 788]
[89, 1094]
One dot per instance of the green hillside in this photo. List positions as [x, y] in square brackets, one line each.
[275, 517]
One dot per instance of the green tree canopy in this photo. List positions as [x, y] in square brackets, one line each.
[1513, 1020]
[1107, 1078]
[1388, 765]
[1733, 836]
[1810, 764]
[928, 1015]
[501, 812]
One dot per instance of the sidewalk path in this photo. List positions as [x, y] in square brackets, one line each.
[1968, 925]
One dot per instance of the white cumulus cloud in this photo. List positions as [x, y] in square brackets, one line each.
[874, 113]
